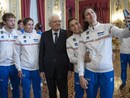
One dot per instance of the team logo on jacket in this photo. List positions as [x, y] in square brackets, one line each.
[100, 33]
[2, 37]
[76, 44]
[35, 40]
[1, 32]
[25, 41]
[74, 39]
[24, 36]
[87, 32]
[87, 37]
[15, 37]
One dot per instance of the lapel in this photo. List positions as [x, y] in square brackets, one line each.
[60, 39]
[51, 38]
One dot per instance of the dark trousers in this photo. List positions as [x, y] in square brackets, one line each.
[62, 85]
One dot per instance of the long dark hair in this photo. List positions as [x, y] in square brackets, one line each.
[70, 33]
[86, 24]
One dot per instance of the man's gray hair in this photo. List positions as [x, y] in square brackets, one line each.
[50, 17]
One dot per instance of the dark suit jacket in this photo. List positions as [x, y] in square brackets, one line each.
[53, 59]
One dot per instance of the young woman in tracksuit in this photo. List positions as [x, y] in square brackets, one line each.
[97, 40]
[74, 31]
[26, 59]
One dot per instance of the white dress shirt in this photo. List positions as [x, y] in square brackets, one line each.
[54, 34]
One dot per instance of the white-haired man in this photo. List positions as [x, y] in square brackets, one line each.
[53, 59]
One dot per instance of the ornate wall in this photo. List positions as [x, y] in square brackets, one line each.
[52, 6]
[13, 6]
[118, 23]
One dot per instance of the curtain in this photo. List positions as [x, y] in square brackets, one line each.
[102, 8]
[41, 12]
[25, 8]
[33, 11]
[70, 9]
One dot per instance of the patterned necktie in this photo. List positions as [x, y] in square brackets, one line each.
[56, 37]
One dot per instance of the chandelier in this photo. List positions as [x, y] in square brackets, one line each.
[118, 16]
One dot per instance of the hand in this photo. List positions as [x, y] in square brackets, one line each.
[83, 82]
[42, 75]
[87, 59]
[113, 56]
[20, 73]
[127, 18]
[69, 74]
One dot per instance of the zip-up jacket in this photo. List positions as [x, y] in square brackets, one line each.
[72, 49]
[125, 45]
[7, 41]
[98, 41]
[26, 51]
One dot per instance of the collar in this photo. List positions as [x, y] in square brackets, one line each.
[12, 33]
[76, 35]
[56, 32]
[29, 34]
[94, 27]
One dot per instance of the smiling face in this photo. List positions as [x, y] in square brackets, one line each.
[90, 16]
[29, 26]
[55, 23]
[74, 26]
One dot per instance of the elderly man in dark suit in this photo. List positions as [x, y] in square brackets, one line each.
[53, 60]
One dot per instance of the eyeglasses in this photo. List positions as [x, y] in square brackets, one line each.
[59, 21]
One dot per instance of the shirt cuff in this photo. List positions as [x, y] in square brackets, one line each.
[81, 74]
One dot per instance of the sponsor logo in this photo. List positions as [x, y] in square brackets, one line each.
[15, 37]
[111, 79]
[100, 33]
[35, 40]
[88, 79]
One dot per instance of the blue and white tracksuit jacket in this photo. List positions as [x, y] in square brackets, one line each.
[7, 41]
[26, 51]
